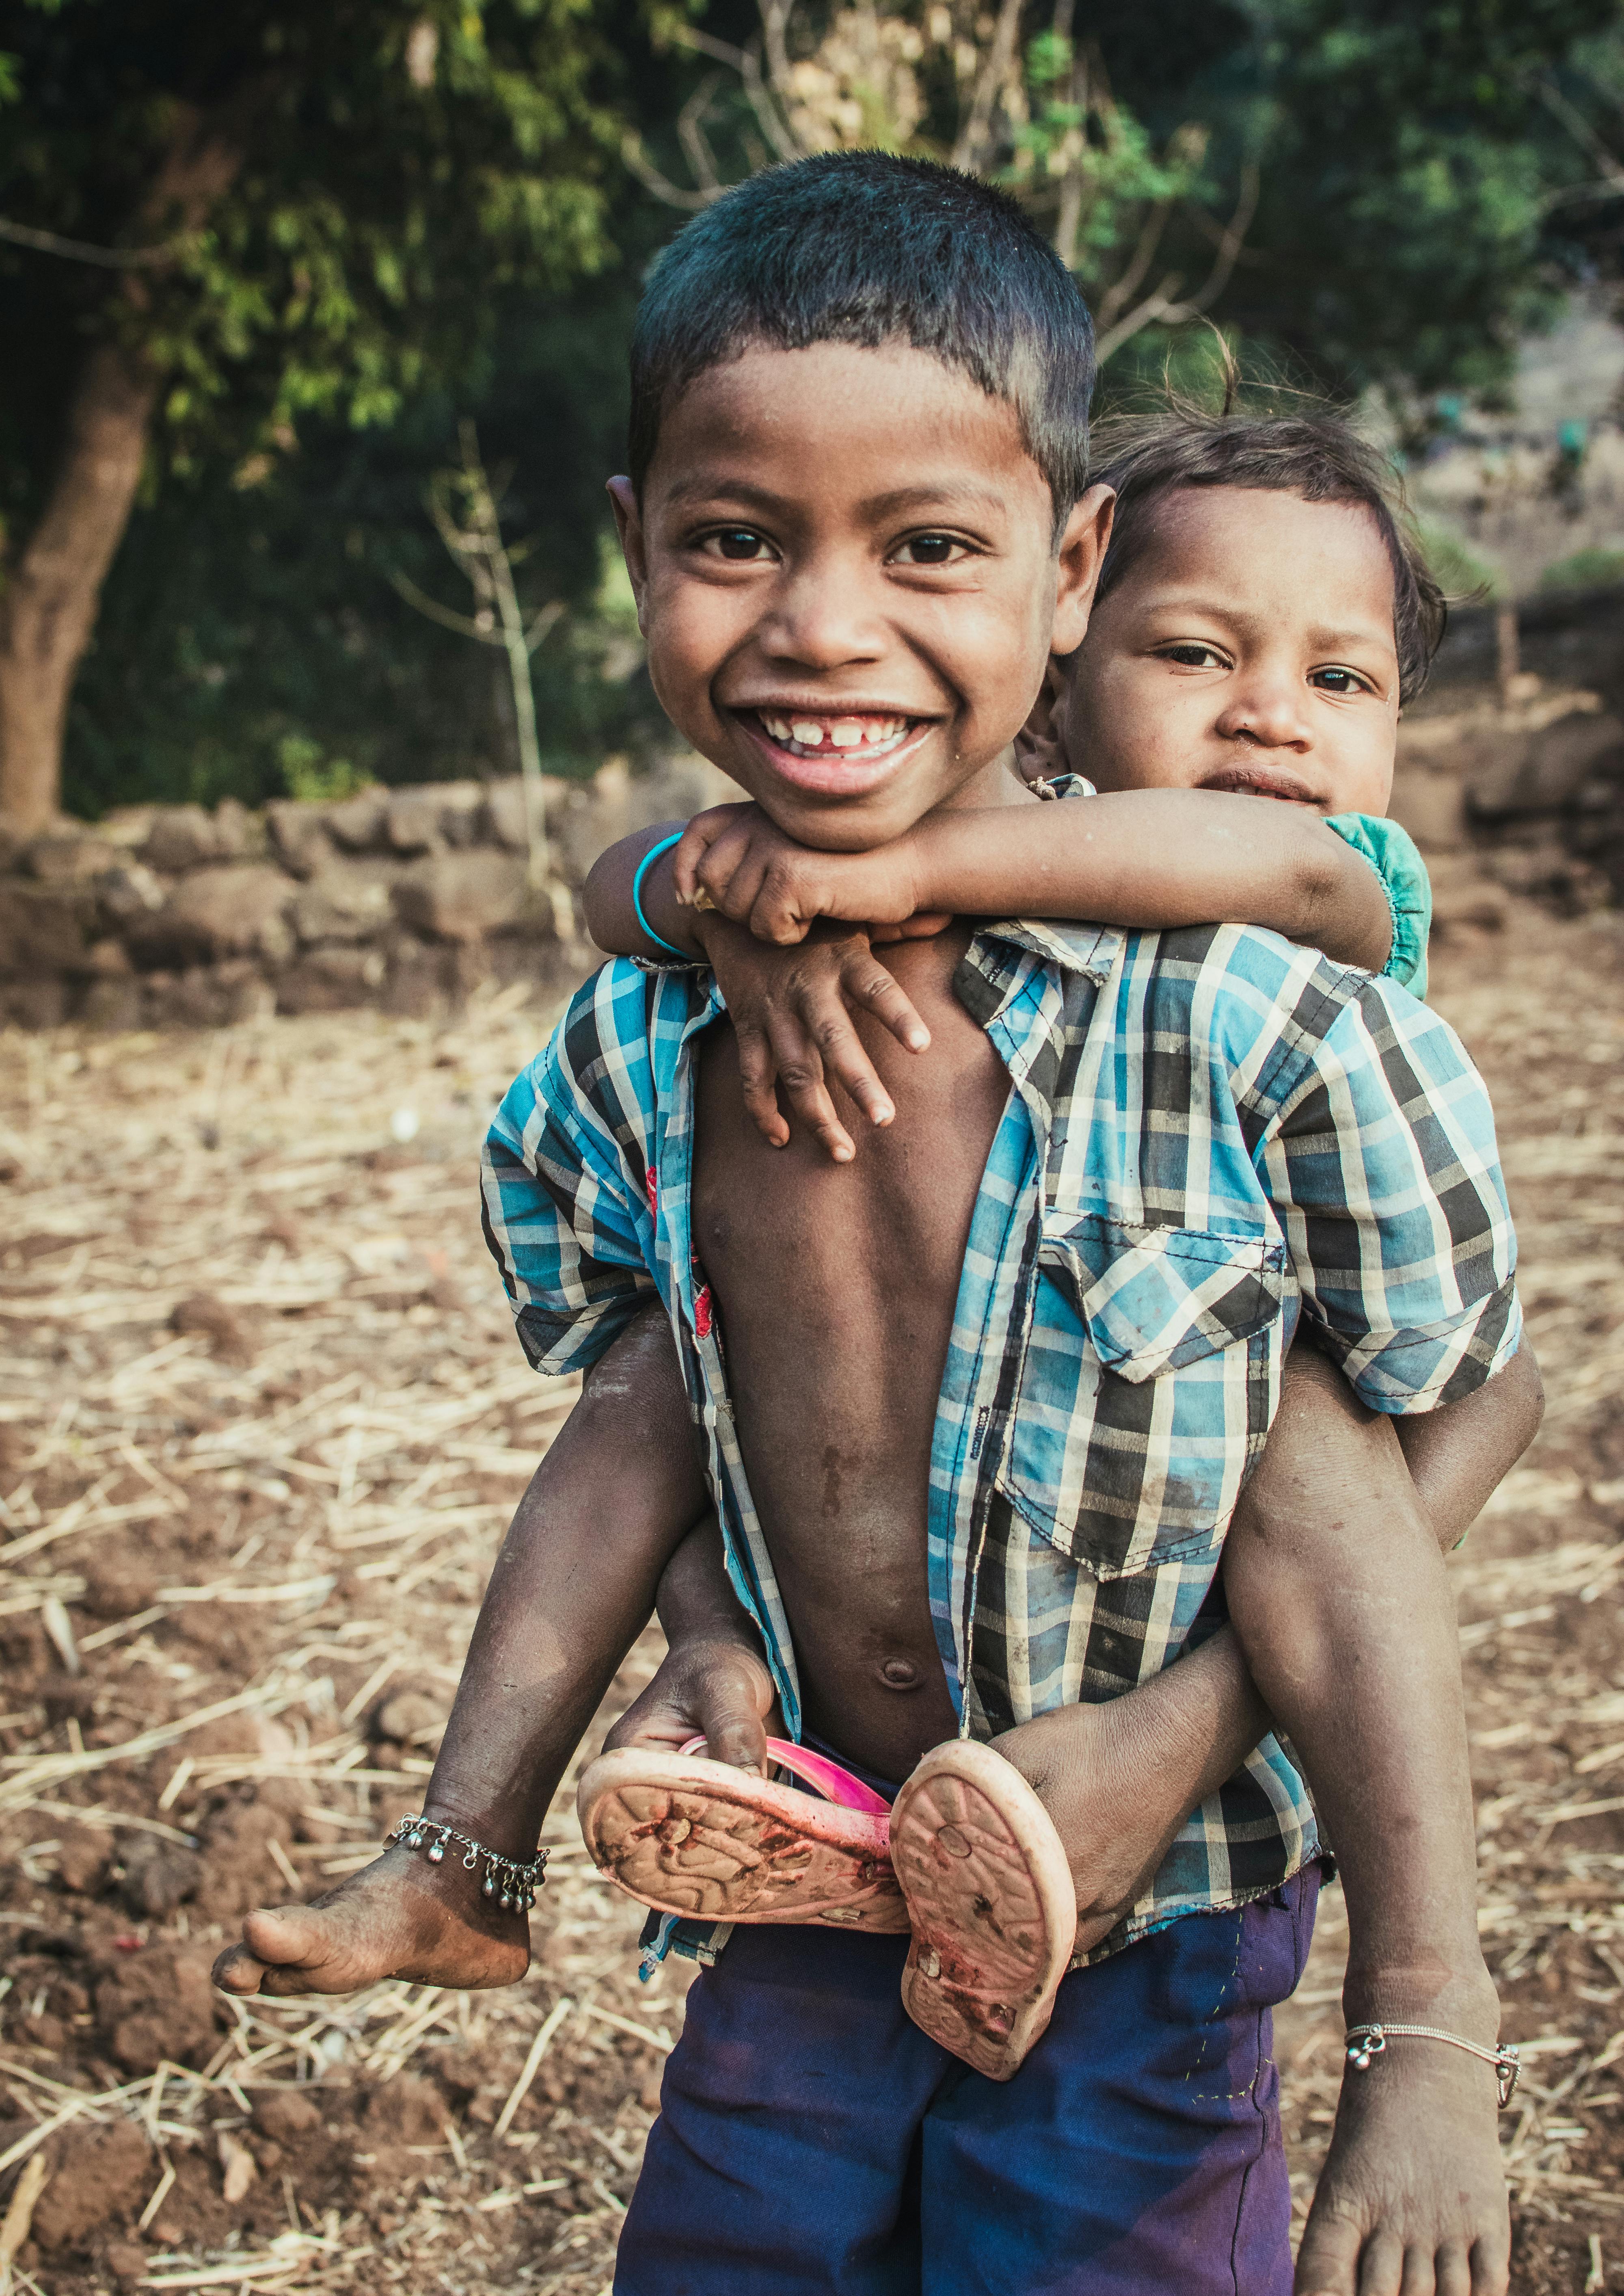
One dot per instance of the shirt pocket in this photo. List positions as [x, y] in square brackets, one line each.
[1148, 1383]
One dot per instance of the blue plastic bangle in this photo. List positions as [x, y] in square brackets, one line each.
[648, 858]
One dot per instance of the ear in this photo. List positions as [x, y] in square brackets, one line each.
[1040, 744]
[628, 520]
[1082, 554]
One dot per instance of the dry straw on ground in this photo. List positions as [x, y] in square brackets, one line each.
[262, 1422]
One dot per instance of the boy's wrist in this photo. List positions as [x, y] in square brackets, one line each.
[926, 853]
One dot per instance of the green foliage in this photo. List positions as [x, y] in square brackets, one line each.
[1409, 163]
[397, 252]
[316, 779]
[384, 171]
[1587, 570]
[238, 617]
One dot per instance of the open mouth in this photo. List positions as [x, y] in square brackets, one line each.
[858, 737]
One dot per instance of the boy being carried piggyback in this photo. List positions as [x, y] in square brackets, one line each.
[992, 1388]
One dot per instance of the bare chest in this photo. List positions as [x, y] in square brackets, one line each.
[867, 1253]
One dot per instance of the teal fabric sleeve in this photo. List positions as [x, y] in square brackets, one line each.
[1392, 853]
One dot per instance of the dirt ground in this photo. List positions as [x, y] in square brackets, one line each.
[262, 1422]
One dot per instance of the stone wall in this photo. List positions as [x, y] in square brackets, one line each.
[407, 898]
[404, 900]
[1519, 796]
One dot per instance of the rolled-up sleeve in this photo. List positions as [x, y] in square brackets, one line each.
[1382, 1166]
[569, 1230]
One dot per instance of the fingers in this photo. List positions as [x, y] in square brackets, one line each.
[868, 984]
[732, 1725]
[654, 1720]
[730, 868]
[925, 924]
[841, 1050]
[802, 1078]
[758, 1075]
[696, 842]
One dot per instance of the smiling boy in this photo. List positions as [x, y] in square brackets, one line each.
[957, 1496]
[858, 505]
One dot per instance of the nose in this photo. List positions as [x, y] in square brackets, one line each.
[824, 614]
[1267, 710]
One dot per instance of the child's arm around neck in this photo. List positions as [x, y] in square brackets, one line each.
[1150, 858]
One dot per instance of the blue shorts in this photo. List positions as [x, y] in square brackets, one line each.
[811, 2139]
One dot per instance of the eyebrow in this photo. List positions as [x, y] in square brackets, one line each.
[1324, 636]
[949, 494]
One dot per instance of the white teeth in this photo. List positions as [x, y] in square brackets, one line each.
[872, 733]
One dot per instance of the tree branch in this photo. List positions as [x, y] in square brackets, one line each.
[436, 612]
[80, 250]
[968, 151]
[542, 624]
[691, 135]
[649, 175]
[1162, 304]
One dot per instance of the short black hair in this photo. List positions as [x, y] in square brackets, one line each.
[864, 247]
[1320, 456]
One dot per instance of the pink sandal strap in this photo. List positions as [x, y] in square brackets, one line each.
[833, 1782]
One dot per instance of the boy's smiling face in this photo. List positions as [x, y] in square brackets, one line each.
[1247, 646]
[844, 571]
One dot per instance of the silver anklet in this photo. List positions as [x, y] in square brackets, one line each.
[512, 1881]
[1366, 2042]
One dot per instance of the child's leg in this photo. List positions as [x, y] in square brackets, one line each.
[572, 1590]
[1340, 1599]
[1120, 1780]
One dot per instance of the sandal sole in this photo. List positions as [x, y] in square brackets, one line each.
[991, 1902]
[687, 1835]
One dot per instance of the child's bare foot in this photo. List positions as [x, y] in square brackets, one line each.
[1412, 2195]
[1115, 1807]
[399, 1917]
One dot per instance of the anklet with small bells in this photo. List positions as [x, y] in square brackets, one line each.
[512, 1881]
[1366, 2042]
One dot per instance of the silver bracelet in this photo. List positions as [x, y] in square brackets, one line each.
[1366, 2042]
[512, 1881]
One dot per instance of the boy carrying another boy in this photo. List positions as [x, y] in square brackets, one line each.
[992, 1389]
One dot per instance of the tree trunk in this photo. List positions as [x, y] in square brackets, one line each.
[48, 606]
[50, 592]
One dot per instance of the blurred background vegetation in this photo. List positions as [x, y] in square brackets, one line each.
[306, 243]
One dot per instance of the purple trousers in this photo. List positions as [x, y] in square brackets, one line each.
[811, 2138]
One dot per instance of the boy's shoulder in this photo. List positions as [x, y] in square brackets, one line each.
[611, 1053]
[1272, 1012]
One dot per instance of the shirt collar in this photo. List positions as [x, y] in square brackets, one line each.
[1089, 949]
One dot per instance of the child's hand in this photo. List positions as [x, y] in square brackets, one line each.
[792, 1014]
[716, 1688]
[735, 860]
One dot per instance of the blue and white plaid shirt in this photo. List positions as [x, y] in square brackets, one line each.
[1211, 1132]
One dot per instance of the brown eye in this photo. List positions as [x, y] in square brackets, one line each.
[931, 550]
[736, 541]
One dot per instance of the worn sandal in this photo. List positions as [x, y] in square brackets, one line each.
[991, 1903]
[688, 1835]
